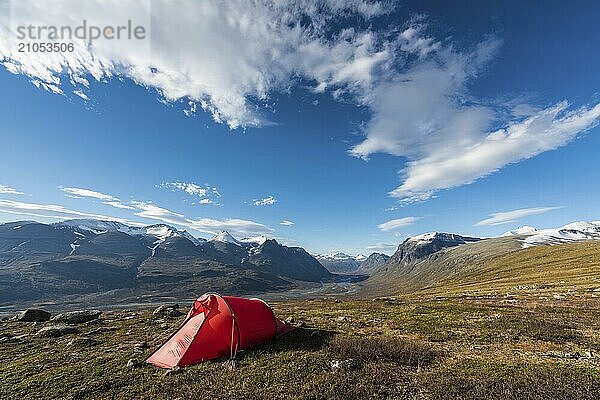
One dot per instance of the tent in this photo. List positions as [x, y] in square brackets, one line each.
[218, 326]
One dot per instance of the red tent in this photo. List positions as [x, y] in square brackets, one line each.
[218, 326]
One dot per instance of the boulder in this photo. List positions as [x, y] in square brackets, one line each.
[33, 315]
[167, 311]
[84, 341]
[77, 317]
[57, 330]
[8, 338]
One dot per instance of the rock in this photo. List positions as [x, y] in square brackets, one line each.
[172, 371]
[140, 347]
[84, 341]
[289, 320]
[344, 365]
[8, 338]
[133, 363]
[57, 330]
[102, 329]
[301, 324]
[77, 317]
[33, 315]
[342, 319]
[167, 311]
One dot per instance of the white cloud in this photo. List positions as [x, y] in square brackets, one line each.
[206, 193]
[513, 216]
[237, 227]
[228, 58]
[382, 248]
[8, 190]
[267, 201]
[79, 193]
[217, 54]
[285, 222]
[49, 211]
[397, 223]
[118, 204]
[426, 115]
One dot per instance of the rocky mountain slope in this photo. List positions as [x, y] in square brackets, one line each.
[74, 257]
[340, 262]
[430, 260]
[374, 261]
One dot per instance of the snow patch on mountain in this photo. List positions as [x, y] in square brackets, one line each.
[522, 230]
[224, 237]
[574, 232]
[256, 240]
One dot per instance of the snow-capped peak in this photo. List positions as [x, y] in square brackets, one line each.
[522, 230]
[160, 231]
[340, 256]
[573, 232]
[224, 237]
[424, 237]
[254, 240]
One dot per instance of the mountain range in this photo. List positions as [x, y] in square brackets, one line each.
[47, 261]
[108, 262]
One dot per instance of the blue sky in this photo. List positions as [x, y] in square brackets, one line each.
[370, 123]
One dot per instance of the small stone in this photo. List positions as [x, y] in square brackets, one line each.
[289, 320]
[84, 341]
[301, 324]
[57, 330]
[172, 371]
[140, 347]
[342, 319]
[133, 363]
[344, 365]
[164, 326]
[77, 317]
[33, 315]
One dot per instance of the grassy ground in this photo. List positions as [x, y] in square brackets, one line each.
[458, 348]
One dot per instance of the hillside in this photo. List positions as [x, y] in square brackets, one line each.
[496, 265]
[388, 349]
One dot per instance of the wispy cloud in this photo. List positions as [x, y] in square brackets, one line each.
[285, 222]
[206, 193]
[506, 217]
[8, 190]
[267, 201]
[50, 211]
[420, 114]
[397, 223]
[235, 226]
[382, 247]
[78, 193]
